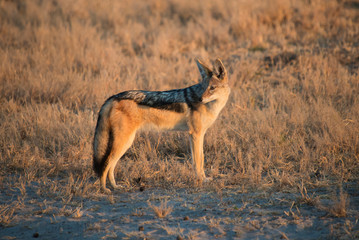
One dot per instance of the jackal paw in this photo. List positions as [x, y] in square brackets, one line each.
[117, 186]
[204, 179]
[207, 179]
[105, 190]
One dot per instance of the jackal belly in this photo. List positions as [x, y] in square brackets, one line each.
[163, 119]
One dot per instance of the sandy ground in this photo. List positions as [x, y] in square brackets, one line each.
[196, 214]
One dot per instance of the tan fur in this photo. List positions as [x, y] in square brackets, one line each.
[125, 117]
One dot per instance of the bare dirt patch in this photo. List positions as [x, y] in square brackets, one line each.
[201, 213]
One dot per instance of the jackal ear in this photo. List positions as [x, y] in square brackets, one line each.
[205, 71]
[220, 70]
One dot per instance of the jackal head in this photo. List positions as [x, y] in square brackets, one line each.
[214, 81]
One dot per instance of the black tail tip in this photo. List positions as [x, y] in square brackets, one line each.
[97, 167]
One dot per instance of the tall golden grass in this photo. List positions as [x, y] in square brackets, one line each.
[288, 120]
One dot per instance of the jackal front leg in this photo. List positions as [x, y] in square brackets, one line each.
[196, 142]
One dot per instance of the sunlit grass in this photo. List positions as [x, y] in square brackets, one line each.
[289, 120]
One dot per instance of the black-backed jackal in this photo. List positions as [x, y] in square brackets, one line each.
[192, 109]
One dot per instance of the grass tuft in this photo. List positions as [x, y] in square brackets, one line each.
[162, 210]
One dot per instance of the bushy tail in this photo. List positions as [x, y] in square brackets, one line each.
[102, 143]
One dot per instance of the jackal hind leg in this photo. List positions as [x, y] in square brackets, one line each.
[103, 180]
[122, 145]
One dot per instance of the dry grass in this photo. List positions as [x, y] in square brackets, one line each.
[162, 210]
[7, 214]
[309, 199]
[292, 116]
[338, 207]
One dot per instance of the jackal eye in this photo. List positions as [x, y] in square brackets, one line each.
[211, 88]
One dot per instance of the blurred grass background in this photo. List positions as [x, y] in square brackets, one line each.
[292, 116]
